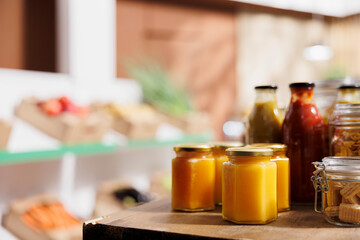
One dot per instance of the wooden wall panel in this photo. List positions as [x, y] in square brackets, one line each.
[197, 46]
[11, 34]
[344, 37]
[129, 33]
[269, 51]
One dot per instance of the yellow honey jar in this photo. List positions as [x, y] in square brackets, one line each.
[193, 178]
[249, 186]
[283, 173]
[220, 158]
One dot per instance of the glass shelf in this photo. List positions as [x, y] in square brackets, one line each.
[198, 138]
[7, 157]
[78, 149]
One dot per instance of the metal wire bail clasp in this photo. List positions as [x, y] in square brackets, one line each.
[319, 180]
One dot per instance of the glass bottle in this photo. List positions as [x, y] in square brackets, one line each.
[303, 133]
[220, 157]
[337, 189]
[266, 118]
[283, 173]
[193, 178]
[345, 94]
[249, 186]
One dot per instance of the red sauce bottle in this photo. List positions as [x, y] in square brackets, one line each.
[304, 134]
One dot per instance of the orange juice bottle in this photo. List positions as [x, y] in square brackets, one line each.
[283, 173]
[249, 186]
[193, 178]
[220, 158]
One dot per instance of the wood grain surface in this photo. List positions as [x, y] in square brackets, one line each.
[156, 220]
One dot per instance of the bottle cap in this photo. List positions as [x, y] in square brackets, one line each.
[226, 145]
[193, 148]
[266, 87]
[276, 147]
[249, 151]
[302, 84]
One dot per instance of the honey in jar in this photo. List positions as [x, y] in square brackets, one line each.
[249, 186]
[220, 158]
[283, 174]
[193, 178]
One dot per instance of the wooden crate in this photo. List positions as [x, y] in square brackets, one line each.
[66, 127]
[192, 123]
[14, 223]
[5, 130]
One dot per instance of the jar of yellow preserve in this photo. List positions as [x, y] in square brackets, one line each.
[193, 178]
[283, 174]
[220, 158]
[249, 186]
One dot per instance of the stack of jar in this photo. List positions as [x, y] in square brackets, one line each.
[337, 179]
[255, 179]
[245, 180]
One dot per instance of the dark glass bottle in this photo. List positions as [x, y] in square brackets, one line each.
[303, 133]
[266, 118]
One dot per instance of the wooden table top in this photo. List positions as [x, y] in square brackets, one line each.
[156, 220]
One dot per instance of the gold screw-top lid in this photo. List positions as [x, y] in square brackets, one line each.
[193, 148]
[249, 151]
[276, 147]
[225, 145]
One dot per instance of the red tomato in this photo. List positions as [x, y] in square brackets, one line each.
[52, 107]
[68, 105]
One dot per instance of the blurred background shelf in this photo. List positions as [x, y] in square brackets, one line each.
[78, 150]
[7, 157]
[150, 143]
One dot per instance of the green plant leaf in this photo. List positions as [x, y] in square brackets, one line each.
[159, 90]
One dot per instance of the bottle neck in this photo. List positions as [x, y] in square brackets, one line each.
[265, 95]
[302, 94]
[348, 96]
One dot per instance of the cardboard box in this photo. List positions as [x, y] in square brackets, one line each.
[106, 202]
[66, 127]
[14, 223]
[136, 129]
[192, 123]
[5, 130]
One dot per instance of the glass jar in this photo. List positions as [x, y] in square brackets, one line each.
[283, 174]
[345, 130]
[346, 94]
[220, 157]
[304, 135]
[337, 190]
[266, 118]
[249, 186]
[193, 178]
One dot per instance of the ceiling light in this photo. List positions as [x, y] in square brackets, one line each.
[318, 52]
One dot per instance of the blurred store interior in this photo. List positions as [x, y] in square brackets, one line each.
[179, 71]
